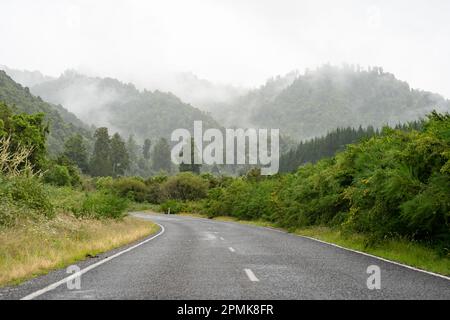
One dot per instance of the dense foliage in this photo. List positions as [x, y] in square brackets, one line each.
[393, 184]
[75, 149]
[26, 173]
[27, 131]
[313, 150]
[318, 148]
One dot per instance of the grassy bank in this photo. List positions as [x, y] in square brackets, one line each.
[35, 247]
[407, 252]
[400, 250]
[44, 227]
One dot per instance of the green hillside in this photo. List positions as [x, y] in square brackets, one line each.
[121, 107]
[63, 124]
[331, 97]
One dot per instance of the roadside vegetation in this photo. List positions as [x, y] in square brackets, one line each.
[387, 190]
[51, 215]
[388, 194]
[34, 247]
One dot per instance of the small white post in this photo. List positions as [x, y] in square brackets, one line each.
[168, 211]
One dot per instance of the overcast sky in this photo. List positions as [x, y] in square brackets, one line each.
[242, 42]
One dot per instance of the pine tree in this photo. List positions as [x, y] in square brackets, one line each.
[327, 146]
[101, 165]
[146, 149]
[75, 150]
[161, 156]
[133, 156]
[119, 155]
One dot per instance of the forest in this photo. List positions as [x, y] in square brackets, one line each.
[389, 182]
[392, 185]
[310, 104]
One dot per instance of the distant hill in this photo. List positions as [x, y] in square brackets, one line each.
[204, 94]
[26, 78]
[238, 111]
[331, 97]
[121, 107]
[63, 124]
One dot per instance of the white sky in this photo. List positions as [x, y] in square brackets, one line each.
[242, 42]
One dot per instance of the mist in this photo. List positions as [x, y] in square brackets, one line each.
[237, 43]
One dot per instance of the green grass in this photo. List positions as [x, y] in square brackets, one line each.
[400, 250]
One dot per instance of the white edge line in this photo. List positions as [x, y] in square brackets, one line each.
[251, 275]
[331, 244]
[347, 249]
[88, 268]
[379, 258]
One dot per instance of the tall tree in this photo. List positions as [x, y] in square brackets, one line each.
[76, 151]
[132, 148]
[134, 152]
[27, 130]
[313, 150]
[161, 156]
[146, 149]
[101, 164]
[119, 155]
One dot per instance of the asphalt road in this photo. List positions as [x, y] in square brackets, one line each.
[205, 259]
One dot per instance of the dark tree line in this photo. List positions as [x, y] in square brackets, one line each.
[113, 156]
[311, 151]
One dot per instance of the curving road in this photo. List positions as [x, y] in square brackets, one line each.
[195, 258]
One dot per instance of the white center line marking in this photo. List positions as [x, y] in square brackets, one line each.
[251, 275]
[221, 238]
[231, 249]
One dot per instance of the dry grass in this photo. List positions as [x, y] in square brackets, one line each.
[36, 247]
[15, 162]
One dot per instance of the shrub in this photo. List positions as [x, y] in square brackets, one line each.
[25, 192]
[104, 183]
[21, 193]
[27, 131]
[175, 206]
[185, 186]
[88, 184]
[214, 204]
[58, 175]
[154, 194]
[8, 212]
[102, 204]
[193, 206]
[132, 188]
